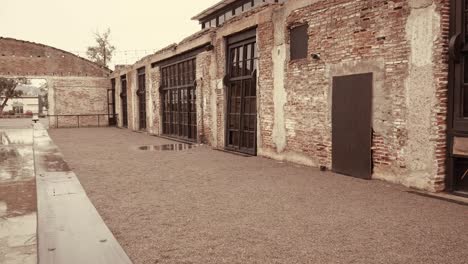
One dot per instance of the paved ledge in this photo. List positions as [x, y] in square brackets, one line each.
[448, 197]
[70, 230]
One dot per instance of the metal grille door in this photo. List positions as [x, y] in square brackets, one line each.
[141, 93]
[111, 104]
[123, 96]
[241, 116]
[178, 93]
[457, 179]
[352, 125]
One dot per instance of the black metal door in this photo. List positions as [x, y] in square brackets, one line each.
[123, 96]
[178, 93]
[352, 125]
[141, 93]
[111, 104]
[241, 115]
[457, 179]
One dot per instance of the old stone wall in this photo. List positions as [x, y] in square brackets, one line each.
[402, 43]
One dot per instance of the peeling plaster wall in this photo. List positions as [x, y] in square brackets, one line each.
[422, 29]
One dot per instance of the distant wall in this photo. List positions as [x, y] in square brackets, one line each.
[76, 85]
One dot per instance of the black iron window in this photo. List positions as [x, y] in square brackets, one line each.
[178, 92]
[299, 42]
[141, 93]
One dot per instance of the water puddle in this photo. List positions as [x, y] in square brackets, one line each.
[16, 137]
[16, 163]
[168, 147]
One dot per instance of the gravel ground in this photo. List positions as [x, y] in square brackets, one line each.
[206, 206]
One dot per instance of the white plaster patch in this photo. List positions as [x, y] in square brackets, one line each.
[423, 27]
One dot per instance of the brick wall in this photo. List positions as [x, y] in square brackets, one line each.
[22, 58]
[76, 85]
[403, 43]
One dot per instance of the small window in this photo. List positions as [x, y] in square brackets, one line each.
[229, 14]
[258, 2]
[221, 19]
[247, 6]
[238, 10]
[213, 23]
[299, 42]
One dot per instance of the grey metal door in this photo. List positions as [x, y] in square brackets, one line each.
[352, 125]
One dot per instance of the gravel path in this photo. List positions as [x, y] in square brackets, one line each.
[206, 206]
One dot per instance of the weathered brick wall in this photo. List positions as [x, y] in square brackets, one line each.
[76, 85]
[78, 96]
[386, 38]
[156, 122]
[439, 109]
[403, 43]
[204, 95]
[22, 58]
[265, 87]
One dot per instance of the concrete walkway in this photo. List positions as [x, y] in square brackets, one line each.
[69, 229]
[203, 206]
[17, 194]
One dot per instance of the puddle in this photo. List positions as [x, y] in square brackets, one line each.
[168, 147]
[16, 137]
[54, 162]
[17, 198]
[16, 163]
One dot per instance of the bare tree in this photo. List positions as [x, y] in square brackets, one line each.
[8, 90]
[103, 51]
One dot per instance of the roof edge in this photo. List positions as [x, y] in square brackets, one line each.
[60, 50]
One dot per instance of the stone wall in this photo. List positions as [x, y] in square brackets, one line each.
[403, 43]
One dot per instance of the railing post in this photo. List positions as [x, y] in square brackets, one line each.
[78, 121]
[98, 125]
[56, 123]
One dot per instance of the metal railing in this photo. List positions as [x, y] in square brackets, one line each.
[82, 120]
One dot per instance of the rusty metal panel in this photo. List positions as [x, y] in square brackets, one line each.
[352, 125]
[299, 42]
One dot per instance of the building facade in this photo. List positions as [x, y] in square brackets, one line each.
[357, 87]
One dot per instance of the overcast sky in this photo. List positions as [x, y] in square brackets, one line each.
[69, 25]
